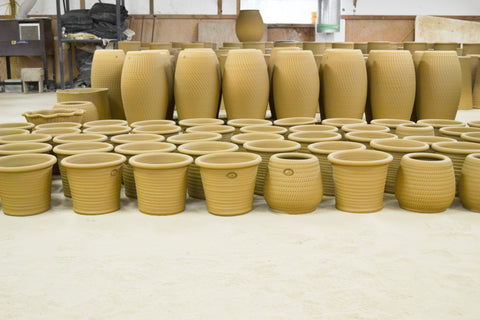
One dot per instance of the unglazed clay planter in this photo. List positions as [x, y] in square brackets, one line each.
[58, 125]
[308, 137]
[161, 46]
[381, 45]
[240, 123]
[95, 181]
[225, 130]
[254, 45]
[180, 139]
[474, 123]
[313, 128]
[200, 148]
[266, 148]
[54, 115]
[446, 46]
[132, 149]
[359, 177]
[25, 183]
[228, 180]
[245, 84]
[456, 132]
[340, 122]
[343, 45]
[356, 127]
[391, 84]
[429, 139]
[197, 84]
[32, 137]
[413, 46]
[54, 132]
[139, 137]
[71, 148]
[471, 136]
[287, 43]
[106, 73]
[316, 47]
[24, 147]
[108, 122]
[425, 182]
[18, 125]
[91, 113]
[366, 137]
[79, 137]
[397, 148]
[293, 183]
[186, 123]
[7, 131]
[241, 138]
[151, 122]
[440, 123]
[391, 123]
[273, 57]
[416, 129]
[344, 84]
[264, 129]
[109, 131]
[362, 46]
[97, 96]
[166, 130]
[471, 48]
[249, 25]
[294, 121]
[127, 46]
[470, 180]
[161, 180]
[466, 99]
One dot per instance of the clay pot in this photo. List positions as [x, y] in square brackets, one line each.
[474, 123]
[24, 147]
[359, 177]
[293, 183]
[54, 115]
[264, 129]
[180, 139]
[139, 137]
[306, 138]
[469, 182]
[97, 96]
[466, 99]
[343, 45]
[416, 129]
[25, 183]
[471, 136]
[67, 149]
[17, 125]
[390, 123]
[456, 132]
[90, 114]
[166, 130]
[54, 132]
[240, 123]
[397, 148]
[58, 125]
[429, 139]
[109, 131]
[131, 149]
[266, 148]
[425, 183]
[344, 84]
[254, 45]
[294, 121]
[186, 123]
[225, 130]
[232, 45]
[95, 181]
[20, 138]
[79, 137]
[440, 123]
[107, 73]
[108, 122]
[381, 45]
[241, 138]
[249, 26]
[362, 46]
[413, 46]
[196, 149]
[313, 128]
[274, 55]
[471, 48]
[7, 131]
[161, 180]
[228, 180]
[366, 137]
[127, 46]
[160, 46]
[356, 127]
[151, 122]
[245, 84]
[446, 46]
[340, 122]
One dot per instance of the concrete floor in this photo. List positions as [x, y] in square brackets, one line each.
[329, 264]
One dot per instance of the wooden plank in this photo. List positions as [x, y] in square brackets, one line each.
[435, 29]
[379, 30]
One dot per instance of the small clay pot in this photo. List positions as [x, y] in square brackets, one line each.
[54, 115]
[474, 123]
[7, 131]
[355, 127]
[240, 123]
[151, 122]
[106, 122]
[390, 123]
[307, 137]
[225, 130]
[456, 132]
[470, 180]
[18, 125]
[471, 136]
[366, 137]
[166, 130]
[79, 137]
[194, 136]
[340, 122]
[24, 147]
[294, 121]
[437, 124]
[32, 137]
[416, 129]
[58, 125]
[139, 137]
[241, 138]
[91, 113]
[264, 129]
[56, 131]
[109, 131]
[185, 123]
[313, 128]
[429, 139]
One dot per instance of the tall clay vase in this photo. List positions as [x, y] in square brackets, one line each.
[344, 84]
[425, 182]
[25, 183]
[249, 26]
[274, 55]
[95, 181]
[391, 84]
[439, 85]
[197, 84]
[161, 180]
[469, 181]
[144, 85]
[296, 84]
[466, 100]
[97, 96]
[359, 177]
[228, 179]
[107, 73]
[293, 183]
[245, 84]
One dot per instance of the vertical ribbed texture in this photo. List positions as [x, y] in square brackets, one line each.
[466, 99]
[129, 180]
[63, 176]
[97, 96]
[469, 190]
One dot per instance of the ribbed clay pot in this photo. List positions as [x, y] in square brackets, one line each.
[58, 125]
[151, 122]
[25, 183]
[200, 148]
[254, 45]
[109, 131]
[309, 137]
[108, 122]
[274, 55]
[343, 45]
[425, 182]
[469, 191]
[127, 46]
[415, 129]
[471, 136]
[391, 123]
[456, 132]
[466, 99]
[321, 150]
[413, 46]
[180, 139]
[24, 147]
[32, 137]
[264, 129]
[186, 123]
[344, 84]
[54, 115]
[241, 138]
[294, 121]
[67, 149]
[79, 137]
[245, 84]
[249, 25]
[266, 148]
[161, 180]
[397, 148]
[340, 122]
[381, 45]
[95, 181]
[97, 96]
[166, 130]
[313, 128]
[139, 137]
[18, 125]
[91, 113]
[225, 130]
[9, 131]
[429, 139]
[240, 123]
[107, 73]
[366, 137]
[359, 177]
[446, 46]
[228, 181]
[440, 123]
[356, 127]
[474, 123]
[133, 148]
[293, 183]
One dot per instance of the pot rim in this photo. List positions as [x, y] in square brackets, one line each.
[199, 121]
[134, 148]
[293, 121]
[457, 131]
[125, 137]
[57, 131]
[82, 147]
[53, 113]
[72, 102]
[383, 158]
[314, 136]
[313, 128]
[241, 137]
[105, 122]
[245, 160]
[322, 147]
[149, 122]
[476, 123]
[38, 137]
[294, 158]
[82, 90]
[470, 136]
[399, 145]
[36, 147]
[364, 127]
[219, 128]
[141, 160]
[10, 131]
[160, 128]
[429, 139]
[63, 124]
[75, 161]
[20, 125]
[439, 123]
[459, 147]
[193, 136]
[268, 145]
[339, 122]
[64, 138]
[474, 157]
[275, 129]
[108, 130]
[391, 123]
[245, 122]
[195, 147]
[416, 125]
[363, 136]
[48, 160]
[414, 157]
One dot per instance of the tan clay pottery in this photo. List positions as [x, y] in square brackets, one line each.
[127, 46]
[161, 180]
[307, 137]
[109, 122]
[264, 129]
[7, 131]
[166, 130]
[97, 96]
[228, 180]
[95, 181]
[25, 183]
[20, 138]
[274, 55]
[469, 181]
[24, 147]
[90, 114]
[287, 43]
[79, 137]
[466, 98]
[225, 130]
[185, 123]
[240, 123]
[381, 45]
[109, 131]
[54, 115]
[359, 177]
[413, 46]
[397, 148]
[366, 137]
[53, 132]
[313, 128]
[429, 139]
[343, 45]
[293, 183]
[241, 138]
[440, 123]
[356, 127]
[362, 46]
[139, 137]
[150, 122]
[254, 45]
[58, 125]
[425, 182]
[180, 139]
[471, 136]
[446, 46]
[471, 48]
[391, 123]
[249, 25]
[340, 122]
[17, 125]
[474, 123]
[456, 132]
[294, 121]
[416, 129]
[160, 46]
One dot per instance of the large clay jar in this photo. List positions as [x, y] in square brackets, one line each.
[359, 177]
[391, 123]
[307, 138]
[397, 148]
[245, 84]
[241, 138]
[24, 147]
[25, 183]
[466, 99]
[144, 84]
[97, 96]
[197, 84]
[321, 150]
[90, 114]
[225, 130]
[456, 132]
[425, 182]
[469, 181]
[18, 125]
[228, 179]
[200, 148]
[107, 73]
[437, 124]
[95, 181]
[249, 26]
[161, 180]
[344, 84]
[391, 84]
[293, 183]
[439, 84]
[414, 129]
[296, 84]
[366, 137]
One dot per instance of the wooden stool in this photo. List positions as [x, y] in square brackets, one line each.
[32, 75]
